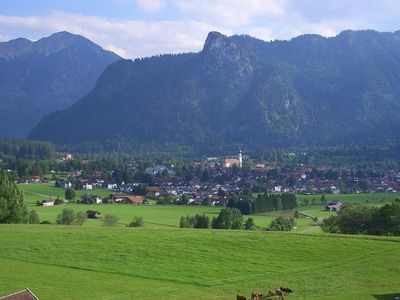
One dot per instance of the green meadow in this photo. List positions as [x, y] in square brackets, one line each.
[71, 262]
[162, 261]
[352, 198]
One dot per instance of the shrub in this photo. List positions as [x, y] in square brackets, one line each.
[201, 221]
[228, 218]
[33, 217]
[282, 224]
[249, 224]
[136, 222]
[46, 222]
[110, 220]
[186, 222]
[58, 201]
[67, 217]
[69, 194]
[81, 218]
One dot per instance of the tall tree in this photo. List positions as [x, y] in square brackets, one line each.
[12, 205]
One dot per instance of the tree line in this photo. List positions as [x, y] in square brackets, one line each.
[357, 219]
[263, 203]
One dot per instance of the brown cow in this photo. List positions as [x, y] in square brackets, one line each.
[238, 297]
[277, 292]
[256, 296]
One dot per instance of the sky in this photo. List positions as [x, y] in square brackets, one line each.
[140, 28]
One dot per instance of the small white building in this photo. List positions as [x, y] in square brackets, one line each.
[87, 186]
[67, 185]
[112, 186]
[48, 203]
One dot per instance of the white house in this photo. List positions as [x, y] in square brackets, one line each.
[87, 186]
[112, 186]
[67, 185]
[48, 203]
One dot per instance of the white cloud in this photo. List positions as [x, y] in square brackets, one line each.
[232, 13]
[128, 38]
[182, 25]
[151, 5]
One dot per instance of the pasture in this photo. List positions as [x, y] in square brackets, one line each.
[155, 216]
[71, 262]
[375, 198]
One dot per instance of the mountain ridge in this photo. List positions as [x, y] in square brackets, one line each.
[308, 90]
[37, 78]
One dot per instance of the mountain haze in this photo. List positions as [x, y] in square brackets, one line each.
[310, 90]
[41, 77]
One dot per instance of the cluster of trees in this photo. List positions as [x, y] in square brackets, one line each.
[197, 221]
[360, 219]
[228, 218]
[263, 203]
[69, 217]
[282, 224]
[27, 149]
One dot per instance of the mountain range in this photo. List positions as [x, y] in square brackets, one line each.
[310, 90]
[37, 78]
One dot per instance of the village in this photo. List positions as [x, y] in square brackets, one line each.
[212, 181]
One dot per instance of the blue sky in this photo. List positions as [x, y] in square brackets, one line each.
[138, 28]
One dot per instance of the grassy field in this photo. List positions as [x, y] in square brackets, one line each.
[68, 262]
[363, 198]
[42, 191]
[155, 216]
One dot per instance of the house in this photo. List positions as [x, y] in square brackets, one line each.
[67, 185]
[87, 186]
[153, 191]
[334, 205]
[65, 156]
[112, 186]
[48, 202]
[133, 200]
[26, 294]
[93, 214]
[127, 199]
[230, 162]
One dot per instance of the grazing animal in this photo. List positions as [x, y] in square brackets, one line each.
[256, 296]
[286, 290]
[277, 292]
[238, 297]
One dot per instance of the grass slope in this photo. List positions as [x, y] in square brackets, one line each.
[61, 262]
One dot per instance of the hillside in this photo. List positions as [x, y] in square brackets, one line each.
[69, 262]
[37, 78]
[310, 90]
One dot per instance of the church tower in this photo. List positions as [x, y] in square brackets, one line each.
[240, 159]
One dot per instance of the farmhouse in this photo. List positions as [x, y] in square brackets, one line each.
[112, 186]
[48, 202]
[127, 199]
[87, 186]
[93, 214]
[21, 295]
[153, 191]
[334, 205]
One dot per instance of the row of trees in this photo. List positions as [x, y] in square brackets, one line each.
[263, 203]
[357, 219]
